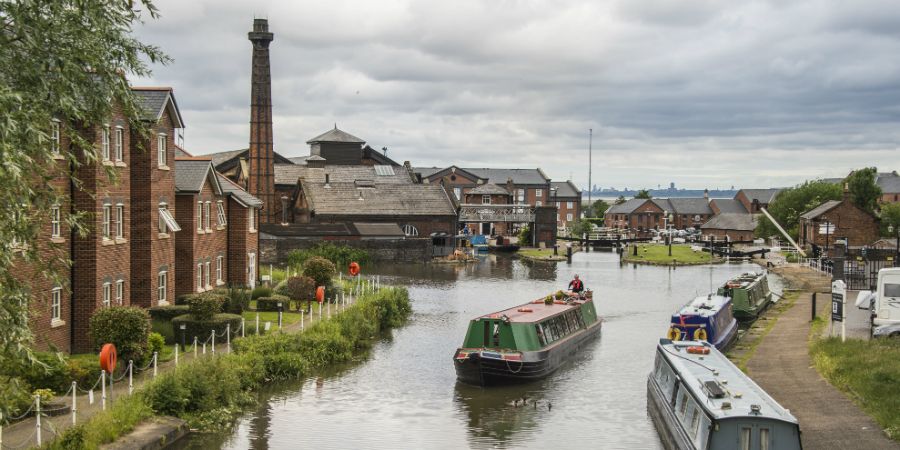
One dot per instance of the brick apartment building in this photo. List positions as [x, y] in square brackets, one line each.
[529, 186]
[643, 215]
[567, 198]
[489, 194]
[838, 219]
[128, 255]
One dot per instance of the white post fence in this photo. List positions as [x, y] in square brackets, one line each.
[74, 402]
[37, 416]
[130, 376]
[213, 334]
[228, 338]
[103, 390]
[155, 363]
[195, 347]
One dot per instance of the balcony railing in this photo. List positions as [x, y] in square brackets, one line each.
[496, 213]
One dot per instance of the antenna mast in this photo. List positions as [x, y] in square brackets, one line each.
[590, 163]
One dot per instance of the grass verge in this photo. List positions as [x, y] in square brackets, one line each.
[744, 349]
[867, 371]
[659, 254]
[541, 254]
[208, 392]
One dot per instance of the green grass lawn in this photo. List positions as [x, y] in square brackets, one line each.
[657, 253]
[287, 318]
[539, 253]
[868, 371]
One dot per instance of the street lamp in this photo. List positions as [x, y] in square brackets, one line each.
[897, 240]
[669, 233]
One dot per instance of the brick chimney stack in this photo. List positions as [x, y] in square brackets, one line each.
[261, 158]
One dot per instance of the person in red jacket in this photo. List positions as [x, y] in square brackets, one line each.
[576, 286]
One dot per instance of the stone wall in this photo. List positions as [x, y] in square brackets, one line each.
[275, 249]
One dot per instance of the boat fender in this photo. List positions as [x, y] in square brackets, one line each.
[525, 310]
[698, 350]
[674, 334]
[700, 334]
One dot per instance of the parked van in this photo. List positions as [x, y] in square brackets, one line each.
[885, 301]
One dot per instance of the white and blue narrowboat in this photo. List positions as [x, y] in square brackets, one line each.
[706, 318]
[698, 399]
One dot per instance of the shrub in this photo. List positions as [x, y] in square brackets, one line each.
[183, 299]
[202, 328]
[236, 300]
[127, 327]
[49, 371]
[155, 343]
[320, 270]
[271, 303]
[340, 255]
[84, 371]
[167, 396]
[300, 288]
[525, 236]
[167, 313]
[261, 291]
[204, 306]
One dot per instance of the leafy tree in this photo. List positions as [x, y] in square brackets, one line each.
[890, 217]
[599, 208]
[792, 202]
[580, 227]
[320, 270]
[863, 190]
[620, 200]
[525, 236]
[65, 60]
[643, 193]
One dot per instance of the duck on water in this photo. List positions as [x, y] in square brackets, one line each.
[698, 399]
[526, 342]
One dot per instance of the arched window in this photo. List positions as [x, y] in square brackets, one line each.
[410, 230]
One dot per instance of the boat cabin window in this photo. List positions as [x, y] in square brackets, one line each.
[558, 327]
[540, 334]
[684, 404]
[695, 421]
[745, 439]
[763, 439]
[495, 341]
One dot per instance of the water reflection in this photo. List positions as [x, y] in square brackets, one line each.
[405, 393]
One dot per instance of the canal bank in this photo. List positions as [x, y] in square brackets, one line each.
[405, 393]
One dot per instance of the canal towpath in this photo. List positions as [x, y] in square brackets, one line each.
[782, 366]
[23, 434]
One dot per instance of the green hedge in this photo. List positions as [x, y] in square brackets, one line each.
[167, 312]
[202, 328]
[271, 303]
[128, 327]
[260, 291]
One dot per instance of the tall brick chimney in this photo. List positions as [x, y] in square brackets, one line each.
[261, 176]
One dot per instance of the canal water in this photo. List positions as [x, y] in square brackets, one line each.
[404, 393]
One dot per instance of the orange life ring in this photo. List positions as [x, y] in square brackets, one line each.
[354, 268]
[320, 294]
[698, 350]
[525, 310]
[108, 358]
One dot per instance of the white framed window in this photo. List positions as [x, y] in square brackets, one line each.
[104, 143]
[520, 195]
[557, 217]
[161, 150]
[410, 230]
[107, 294]
[251, 269]
[485, 199]
[54, 136]
[206, 214]
[569, 217]
[199, 216]
[161, 282]
[539, 193]
[251, 219]
[120, 220]
[200, 277]
[55, 304]
[166, 221]
[206, 275]
[220, 209]
[538, 203]
[120, 144]
[570, 205]
[120, 291]
[55, 223]
[107, 212]
[161, 218]
[219, 263]
[557, 204]
[458, 193]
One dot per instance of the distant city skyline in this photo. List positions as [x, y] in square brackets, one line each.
[755, 93]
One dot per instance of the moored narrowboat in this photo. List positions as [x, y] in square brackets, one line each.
[525, 342]
[749, 293]
[706, 318]
[698, 399]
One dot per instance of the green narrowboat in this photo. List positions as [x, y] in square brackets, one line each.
[749, 293]
[526, 342]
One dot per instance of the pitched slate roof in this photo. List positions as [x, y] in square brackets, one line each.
[336, 135]
[764, 196]
[565, 189]
[729, 206]
[299, 159]
[626, 208]
[378, 229]
[222, 157]
[496, 176]
[489, 189]
[428, 171]
[889, 183]
[731, 221]
[243, 197]
[288, 174]
[689, 205]
[343, 199]
[191, 173]
[821, 209]
[153, 101]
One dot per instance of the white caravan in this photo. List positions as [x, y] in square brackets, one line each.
[885, 301]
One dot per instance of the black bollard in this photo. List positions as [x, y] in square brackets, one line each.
[569, 254]
[813, 312]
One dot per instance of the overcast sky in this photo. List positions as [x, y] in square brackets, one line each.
[701, 93]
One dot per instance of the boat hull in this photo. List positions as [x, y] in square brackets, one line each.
[672, 436]
[479, 370]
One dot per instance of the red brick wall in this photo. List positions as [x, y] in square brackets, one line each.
[151, 251]
[96, 260]
[562, 207]
[194, 246]
[241, 242]
[859, 227]
[734, 235]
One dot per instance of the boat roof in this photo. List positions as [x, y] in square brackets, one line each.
[534, 312]
[746, 279]
[740, 391]
[704, 305]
